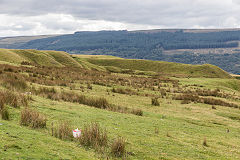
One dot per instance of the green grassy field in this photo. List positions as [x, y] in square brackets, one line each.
[172, 130]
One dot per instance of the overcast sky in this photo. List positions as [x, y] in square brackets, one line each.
[34, 17]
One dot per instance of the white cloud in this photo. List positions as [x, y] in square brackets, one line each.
[58, 24]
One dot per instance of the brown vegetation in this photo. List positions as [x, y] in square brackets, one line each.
[62, 131]
[13, 99]
[96, 102]
[155, 102]
[206, 100]
[118, 147]
[205, 142]
[124, 91]
[32, 118]
[4, 112]
[94, 136]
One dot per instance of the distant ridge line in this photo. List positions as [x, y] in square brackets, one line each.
[186, 30]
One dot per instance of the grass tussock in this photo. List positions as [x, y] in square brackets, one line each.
[4, 112]
[118, 147]
[205, 142]
[155, 102]
[62, 131]
[94, 136]
[32, 118]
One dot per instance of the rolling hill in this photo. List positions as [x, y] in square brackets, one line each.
[110, 63]
[167, 68]
[44, 58]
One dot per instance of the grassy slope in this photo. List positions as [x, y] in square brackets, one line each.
[9, 56]
[187, 125]
[82, 59]
[63, 58]
[164, 67]
[46, 58]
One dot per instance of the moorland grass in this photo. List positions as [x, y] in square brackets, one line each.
[170, 131]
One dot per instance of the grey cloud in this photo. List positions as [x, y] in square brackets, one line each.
[236, 1]
[159, 13]
[151, 12]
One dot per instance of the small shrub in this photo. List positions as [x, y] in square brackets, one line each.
[118, 147]
[93, 136]
[32, 118]
[9, 69]
[155, 102]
